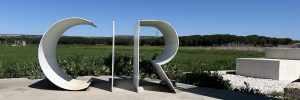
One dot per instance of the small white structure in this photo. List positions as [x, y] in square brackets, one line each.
[47, 55]
[23, 43]
[279, 64]
[170, 50]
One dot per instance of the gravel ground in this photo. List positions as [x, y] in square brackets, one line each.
[265, 86]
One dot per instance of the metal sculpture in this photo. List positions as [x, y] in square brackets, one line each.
[170, 50]
[51, 69]
[48, 59]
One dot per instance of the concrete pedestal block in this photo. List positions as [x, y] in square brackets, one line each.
[278, 69]
[283, 53]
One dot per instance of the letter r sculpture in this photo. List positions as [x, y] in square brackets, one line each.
[170, 50]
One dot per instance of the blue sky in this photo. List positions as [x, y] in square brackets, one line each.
[274, 18]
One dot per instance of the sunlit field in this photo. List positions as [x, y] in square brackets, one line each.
[187, 58]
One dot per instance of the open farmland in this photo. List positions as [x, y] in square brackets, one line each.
[187, 58]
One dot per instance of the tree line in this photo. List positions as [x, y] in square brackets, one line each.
[193, 40]
[233, 40]
[222, 40]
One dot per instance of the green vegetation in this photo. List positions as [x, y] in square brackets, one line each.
[193, 40]
[205, 79]
[191, 64]
[188, 58]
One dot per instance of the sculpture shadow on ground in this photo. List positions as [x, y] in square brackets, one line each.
[154, 86]
[222, 94]
[120, 82]
[101, 84]
[298, 80]
[46, 84]
[125, 83]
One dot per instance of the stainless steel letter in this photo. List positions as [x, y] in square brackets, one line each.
[170, 50]
[47, 55]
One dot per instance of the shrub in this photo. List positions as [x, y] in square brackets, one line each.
[174, 72]
[78, 65]
[146, 68]
[206, 79]
[22, 69]
[123, 65]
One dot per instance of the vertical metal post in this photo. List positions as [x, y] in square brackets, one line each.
[113, 54]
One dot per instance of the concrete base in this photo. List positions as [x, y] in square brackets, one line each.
[283, 53]
[42, 89]
[277, 69]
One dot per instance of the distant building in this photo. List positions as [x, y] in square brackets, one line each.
[23, 43]
[20, 35]
[10, 35]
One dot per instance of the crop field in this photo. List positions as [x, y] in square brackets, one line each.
[187, 58]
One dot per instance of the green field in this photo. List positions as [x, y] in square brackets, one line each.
[187, 58]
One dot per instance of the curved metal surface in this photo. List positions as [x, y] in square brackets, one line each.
[170, 37]
[170, 49]
[47, 55]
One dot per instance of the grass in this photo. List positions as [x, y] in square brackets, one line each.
[187, 58]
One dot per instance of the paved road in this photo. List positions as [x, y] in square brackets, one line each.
[43, 89]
